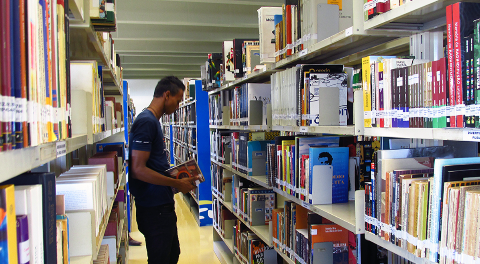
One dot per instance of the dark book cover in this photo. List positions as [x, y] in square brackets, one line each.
[5, 53]
[476, 67]
[108, 158]
[237, 56]
[23, 246]
[17, 139]
[47, 180]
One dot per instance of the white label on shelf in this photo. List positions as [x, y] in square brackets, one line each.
[313, 231]
[306, 205]
[460, 109]
[415, 79]
[303, 53]
[471, 135]
[348, 31]
[448, 110]
[303, 129]
[61, 148]
[368, 6]
[367, 114]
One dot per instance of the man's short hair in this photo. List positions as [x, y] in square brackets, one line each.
[169, 83]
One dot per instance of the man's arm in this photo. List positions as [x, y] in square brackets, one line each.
[141, 172]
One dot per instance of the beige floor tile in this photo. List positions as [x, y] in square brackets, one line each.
[196, 243]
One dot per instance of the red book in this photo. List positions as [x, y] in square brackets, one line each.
[289, 29]
[457, 47]
[6, 73]
[451, 64]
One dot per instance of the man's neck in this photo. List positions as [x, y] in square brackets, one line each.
[157, 107]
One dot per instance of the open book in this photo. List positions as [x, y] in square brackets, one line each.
[187, 169]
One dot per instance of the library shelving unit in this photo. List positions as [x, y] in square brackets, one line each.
[385, 34]
[58, 156]
[182, 131]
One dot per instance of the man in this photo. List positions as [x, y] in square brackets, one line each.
[153, 193]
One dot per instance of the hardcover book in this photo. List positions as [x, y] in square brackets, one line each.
[188, 169]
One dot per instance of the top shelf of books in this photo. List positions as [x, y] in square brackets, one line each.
[415, 16]
[255, 77]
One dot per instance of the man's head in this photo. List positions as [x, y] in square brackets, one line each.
[171, 89]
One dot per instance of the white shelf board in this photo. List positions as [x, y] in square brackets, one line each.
[227, 241]
[223, 252]
[260, 180]
[81, 260]
[414, 12]
[337, 130]
[246, 128]
[255, 77]
[285, 257]
[395, 249]
[183, 104]
[458, 134]
[343, 44]
[26, 159]
[76, 8]
[342, 214]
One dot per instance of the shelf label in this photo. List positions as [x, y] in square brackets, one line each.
[303, 129]
[306, 205]
[303, 53]
[349, 31]
[61, 148]
[471, 135]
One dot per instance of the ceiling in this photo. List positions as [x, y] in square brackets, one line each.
[173, 37]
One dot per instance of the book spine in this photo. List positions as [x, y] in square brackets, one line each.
[23, 75]
[23, 246]
[451, 67]
[476, 69]
[8, 193]
[288, 14]
[6, 74]
[457, 44]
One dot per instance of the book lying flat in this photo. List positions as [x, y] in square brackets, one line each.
[187, 169]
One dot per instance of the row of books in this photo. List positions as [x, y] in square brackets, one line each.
[300, 165]
[88, 90]
[103, 15]
[423, 206]
[186, 135]
[250, 248]
[253, 204]
[185, 115]
[238, 58]
[312, 95]
[242, 106]
[34, 73]
[374, 8]
[415, 93]
[112, 57]
[299, 24]
[306, 237]
[182, 153]
[222, 182]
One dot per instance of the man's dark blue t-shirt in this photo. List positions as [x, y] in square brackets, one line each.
[146, 135]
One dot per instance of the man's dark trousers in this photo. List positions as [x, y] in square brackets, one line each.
[159, 226]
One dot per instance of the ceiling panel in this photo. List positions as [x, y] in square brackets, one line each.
[159, 38]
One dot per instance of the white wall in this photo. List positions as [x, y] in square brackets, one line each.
[141, 91]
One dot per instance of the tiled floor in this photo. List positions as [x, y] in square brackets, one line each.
[196, 242]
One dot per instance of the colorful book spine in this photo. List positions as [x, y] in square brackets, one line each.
[22, 240]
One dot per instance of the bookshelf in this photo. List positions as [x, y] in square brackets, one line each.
[200, 202]
[385, 34]
[416, 15]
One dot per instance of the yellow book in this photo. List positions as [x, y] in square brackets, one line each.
[368, 77]
[422, 215]
[412, 214]
[286, 162]
[8, 224]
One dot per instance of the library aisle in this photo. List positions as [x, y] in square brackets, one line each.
[196, 243]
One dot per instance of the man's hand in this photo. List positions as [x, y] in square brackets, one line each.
[186, 184]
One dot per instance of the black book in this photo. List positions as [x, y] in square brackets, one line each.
[47, 180]
[237, 56]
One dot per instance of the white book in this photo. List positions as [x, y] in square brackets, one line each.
[81, 232]
[228, 67]
[318, 80]
[28, 201]
[111, 241]
[266, 28]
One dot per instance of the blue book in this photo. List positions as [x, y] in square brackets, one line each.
[328, 180]
[302, 147]
[257, 157]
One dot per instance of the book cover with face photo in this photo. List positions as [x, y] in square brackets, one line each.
[328, 175]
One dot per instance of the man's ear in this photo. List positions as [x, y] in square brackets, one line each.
[166, 93]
